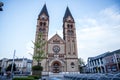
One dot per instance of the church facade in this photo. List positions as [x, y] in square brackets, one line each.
[61, 53]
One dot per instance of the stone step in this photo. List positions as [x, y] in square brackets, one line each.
[56, 75]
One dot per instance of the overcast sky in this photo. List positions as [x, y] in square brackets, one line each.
[97, 25]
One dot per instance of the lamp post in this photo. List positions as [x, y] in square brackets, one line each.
[13, 63]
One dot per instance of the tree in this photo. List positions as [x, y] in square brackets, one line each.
[10, 66]
[39, 46]
[81, 64]
[81, 61]
[39, 54]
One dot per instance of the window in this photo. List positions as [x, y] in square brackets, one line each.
[68, 40]
[44, 24]
[74, 53]
[70, 32]
[68, 52]
[42, 30]
[40, 23]
[71, 26]
[72, 64]
[68, 25]
[72, 40]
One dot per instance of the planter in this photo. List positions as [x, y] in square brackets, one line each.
[36, 73]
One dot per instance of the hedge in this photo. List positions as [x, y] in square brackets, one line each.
[22, 78]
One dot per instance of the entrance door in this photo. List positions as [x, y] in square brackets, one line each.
[56, 67]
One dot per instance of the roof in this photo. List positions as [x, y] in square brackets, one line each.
[44, 10]
[29, 61]
[99, 56]
[56, 37]
[113, 52]
[105, 54]
[67, 13]
[18, 59]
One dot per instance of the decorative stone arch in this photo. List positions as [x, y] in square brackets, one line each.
[56, 66]
[62, 63]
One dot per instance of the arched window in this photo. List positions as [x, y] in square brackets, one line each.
[71, 26]
[70, 32]
[40, 30]
[68, 25]
[40, 23]
[72, 64]
[44, 24]
[68, 52]
[74, 53]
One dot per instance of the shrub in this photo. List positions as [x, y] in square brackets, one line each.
[24, 78]
[37, 68]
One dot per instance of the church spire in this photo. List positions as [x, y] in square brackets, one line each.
[67, 13]
[44, 10]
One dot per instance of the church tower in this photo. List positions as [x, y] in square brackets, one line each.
[61, 54]
[43, 23]
[69, 35]
[42, 27]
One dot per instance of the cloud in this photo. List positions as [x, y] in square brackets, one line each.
[29, 49]
[95, 35]
[100, 34]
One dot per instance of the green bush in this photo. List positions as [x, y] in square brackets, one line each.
[37, 68]
[24, 78]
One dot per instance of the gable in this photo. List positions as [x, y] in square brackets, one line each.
[56, 39]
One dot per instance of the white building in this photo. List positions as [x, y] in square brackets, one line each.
[23, 65]
[3, 64]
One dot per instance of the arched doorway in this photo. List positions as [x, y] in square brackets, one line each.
[56, 67]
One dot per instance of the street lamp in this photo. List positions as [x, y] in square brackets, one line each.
[12, 64]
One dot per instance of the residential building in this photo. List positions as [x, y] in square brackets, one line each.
[112, 61]
[23, 65]
[3, 64]
[104, 63]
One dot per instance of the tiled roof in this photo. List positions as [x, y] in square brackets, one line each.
[44, 10]
[67, 13]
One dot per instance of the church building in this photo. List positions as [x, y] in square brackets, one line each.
[61, 53]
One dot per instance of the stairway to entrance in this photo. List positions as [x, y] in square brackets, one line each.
[56, 75]
[53, 76]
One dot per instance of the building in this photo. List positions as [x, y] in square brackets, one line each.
[61, 53]
[23, 65]
[112, 61]
[105, 63]
[3, 64]
[96, 64]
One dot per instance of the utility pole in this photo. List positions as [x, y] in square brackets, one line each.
[13, 63]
